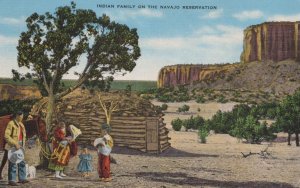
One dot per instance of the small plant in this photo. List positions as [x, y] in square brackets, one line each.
[198, 109]
[222, 99]
[202, 133]
[200, 99]
[188, 123]
[164, 107]
[176, 124]
[184, 108]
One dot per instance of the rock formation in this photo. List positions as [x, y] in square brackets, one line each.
[171, 76]
[269, 62]
[274, 41]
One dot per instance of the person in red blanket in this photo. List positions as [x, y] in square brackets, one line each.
[61, 151]
[104, 146]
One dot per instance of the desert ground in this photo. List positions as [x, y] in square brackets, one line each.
[188, 163]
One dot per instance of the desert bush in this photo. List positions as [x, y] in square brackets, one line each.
[200, 99]
[147, 96]
[182, 98]
[184, 108]
[166, 98]
[250, 129]
[222, 99]
[202, 133]
[208, 91]
[188, 123]
[164, 107]
[221, 122]
[198, 122]
[176, 124]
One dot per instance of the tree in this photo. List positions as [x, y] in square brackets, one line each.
[250, 129]
[288, 115]
[108, 107]
[53, 44]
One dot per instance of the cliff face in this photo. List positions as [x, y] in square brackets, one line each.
[274, 41]
[276, 44]
[170, 76]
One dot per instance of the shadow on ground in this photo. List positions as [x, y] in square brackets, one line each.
[171, 152]
[185, 180]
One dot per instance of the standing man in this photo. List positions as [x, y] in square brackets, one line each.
[15, 136]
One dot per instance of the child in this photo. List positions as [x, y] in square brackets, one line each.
[104, 146]
[84, 165]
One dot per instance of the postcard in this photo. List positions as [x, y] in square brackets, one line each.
[136, 93]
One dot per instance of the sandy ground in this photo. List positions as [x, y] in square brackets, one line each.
[218, 163]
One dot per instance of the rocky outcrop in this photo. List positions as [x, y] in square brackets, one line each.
[274, 41]
[269, 62]
[174, 75]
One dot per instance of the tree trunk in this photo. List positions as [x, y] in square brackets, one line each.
[44, 162]
[289, 139]
[49, 119]
[50, 111]
[297, 138]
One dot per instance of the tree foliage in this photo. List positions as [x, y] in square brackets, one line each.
[288, 115]
[71, 39]
[176, 124]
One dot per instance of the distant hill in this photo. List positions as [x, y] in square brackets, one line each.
[27, 89]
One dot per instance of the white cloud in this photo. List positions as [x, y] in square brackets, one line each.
[246, 15]
[5, 40]
[214, 14]
[129, 14]
[12, 21]
[222, 35]
[279, 17]
[207, 45]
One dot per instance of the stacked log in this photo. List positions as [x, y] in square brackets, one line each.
[163, 135]
[128, 123]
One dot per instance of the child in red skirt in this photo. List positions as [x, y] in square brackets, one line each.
[104, 146]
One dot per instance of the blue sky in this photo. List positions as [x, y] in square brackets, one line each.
[167, 36]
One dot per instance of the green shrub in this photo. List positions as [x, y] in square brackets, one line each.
[250, 129]
[184, 108]
[164, 107]
[188, 123]
[182, 98]
[200, 99]
[222, 99]
[198, 122]
[176, 124]
[166, 98]
[202, 133]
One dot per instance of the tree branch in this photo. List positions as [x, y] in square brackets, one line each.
[45, 82]
[262, 153]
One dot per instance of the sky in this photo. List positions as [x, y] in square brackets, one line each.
[166, 36]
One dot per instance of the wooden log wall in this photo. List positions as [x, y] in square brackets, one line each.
[128, 127]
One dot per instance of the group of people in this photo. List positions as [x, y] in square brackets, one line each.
[62, 148]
